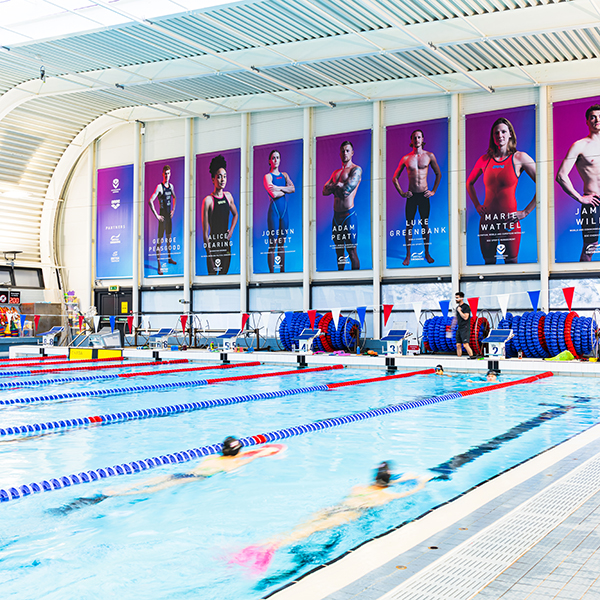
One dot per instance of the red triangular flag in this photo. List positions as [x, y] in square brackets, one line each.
[568, 293]
[36, 322]
[473, 303]
[81, 317]
[130, 323]
[184, 319]
[387, 311]
[245, 318]
[312, 315]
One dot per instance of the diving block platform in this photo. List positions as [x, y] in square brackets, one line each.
[160, 340]
[306, 339]
[394, 340]
[49, 337]
[229, 339]
[496, 341]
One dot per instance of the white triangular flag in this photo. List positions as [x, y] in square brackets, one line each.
[96, 323]
[417, 308]
[265, 322]
[335, 313]
[503, 302]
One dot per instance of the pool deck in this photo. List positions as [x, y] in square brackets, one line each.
[532, 532]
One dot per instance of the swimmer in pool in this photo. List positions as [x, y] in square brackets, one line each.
[230, 459]
[491, 377]
[439, 370]
[356, 503]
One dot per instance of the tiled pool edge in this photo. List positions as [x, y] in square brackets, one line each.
[361, 573]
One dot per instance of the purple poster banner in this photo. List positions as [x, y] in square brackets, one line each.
[163, 217]
[501, 220]
[577, 187]
[344, 201]
[277, 208]
[217, 213]
[417, 195]
[114, 223]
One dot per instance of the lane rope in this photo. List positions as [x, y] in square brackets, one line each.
[14, 493]
[158, 386]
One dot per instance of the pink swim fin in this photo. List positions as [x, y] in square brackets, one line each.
[256, 558]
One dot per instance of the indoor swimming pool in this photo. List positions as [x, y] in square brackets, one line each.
[179, 542]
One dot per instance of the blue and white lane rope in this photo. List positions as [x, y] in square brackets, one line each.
[13, 493]
[8, 385]
[148, 413]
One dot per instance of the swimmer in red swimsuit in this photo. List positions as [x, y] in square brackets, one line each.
[501, 167]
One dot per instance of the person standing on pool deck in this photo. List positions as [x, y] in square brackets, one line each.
[278, 219]
[500, 221]
[417, 196]
[216, 229]
[463, 329]
[343, 184]
[360, 499]
[165, 192]
[230, 459]
[585, 155]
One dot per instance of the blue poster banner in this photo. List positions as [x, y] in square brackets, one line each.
[163, 217]
[343, 216]
[501, 188]
[114, 223]
[277, 208]
[217, 213]
[417, 195]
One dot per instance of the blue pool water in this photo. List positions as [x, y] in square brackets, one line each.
[176, 543]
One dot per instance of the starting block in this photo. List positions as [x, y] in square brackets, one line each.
[105, 338]
[496, 341]
[160, 340]
[306, 339]
[49, 337]
[394, 340]
[229, 339]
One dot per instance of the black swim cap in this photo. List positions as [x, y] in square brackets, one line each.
[492, 372]
[439, 368]
[231, 446]
[383, 474]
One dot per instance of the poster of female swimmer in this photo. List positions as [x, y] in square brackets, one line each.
[217, 213]
[343, 194]
[417, 233]
[277, 198]
[501, 188]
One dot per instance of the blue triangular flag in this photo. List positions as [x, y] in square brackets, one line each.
[362, 311]
[112, 323]
[23, 319]
[445, 306]
[535, 299]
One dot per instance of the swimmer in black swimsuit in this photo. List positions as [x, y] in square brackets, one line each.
[355, 504]
[229, 460]
[166, 203]
[216, 229]
[417, 196]
[278, 185]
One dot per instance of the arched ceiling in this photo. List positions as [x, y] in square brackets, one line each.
[116, 58]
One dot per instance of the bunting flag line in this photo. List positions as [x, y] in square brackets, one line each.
[335, 313]
[130, 323]
[534, 297]
[312, 315]
[444, 307]
[23, 319]
[36, 322]
[96, 323]
[362, 312]
[112, 320]
[387, 311]
[265, 321]
[245, 317]
[81, 319]
[473, 304]
[503, 302]
[568, 294]
[183, 319]
[417, 306]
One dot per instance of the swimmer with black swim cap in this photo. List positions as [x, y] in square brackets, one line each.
[383, 474]
[231, 446]
[439, 370]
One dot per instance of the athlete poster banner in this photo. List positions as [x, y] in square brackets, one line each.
[343, 219]
[500, 161]
[417, 195]
[577, 187]
[217, 213]
[277, 208]
[163, 217]
[114, 223]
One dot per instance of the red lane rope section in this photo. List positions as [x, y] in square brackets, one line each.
[248, 364]
[31, 358]
[119, 366]
[332, 386]
[277, 374]
[497, 386]
[72, 362]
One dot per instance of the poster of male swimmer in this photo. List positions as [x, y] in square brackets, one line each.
[217, 213]
[577, 186]
[163, 217]
[114, 222]
[501, 188]
[277, 208]
[343, 181]
[417, 233]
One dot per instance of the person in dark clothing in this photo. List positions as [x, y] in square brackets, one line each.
[463, 330]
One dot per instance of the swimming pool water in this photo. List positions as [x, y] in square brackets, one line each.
[176, 543]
